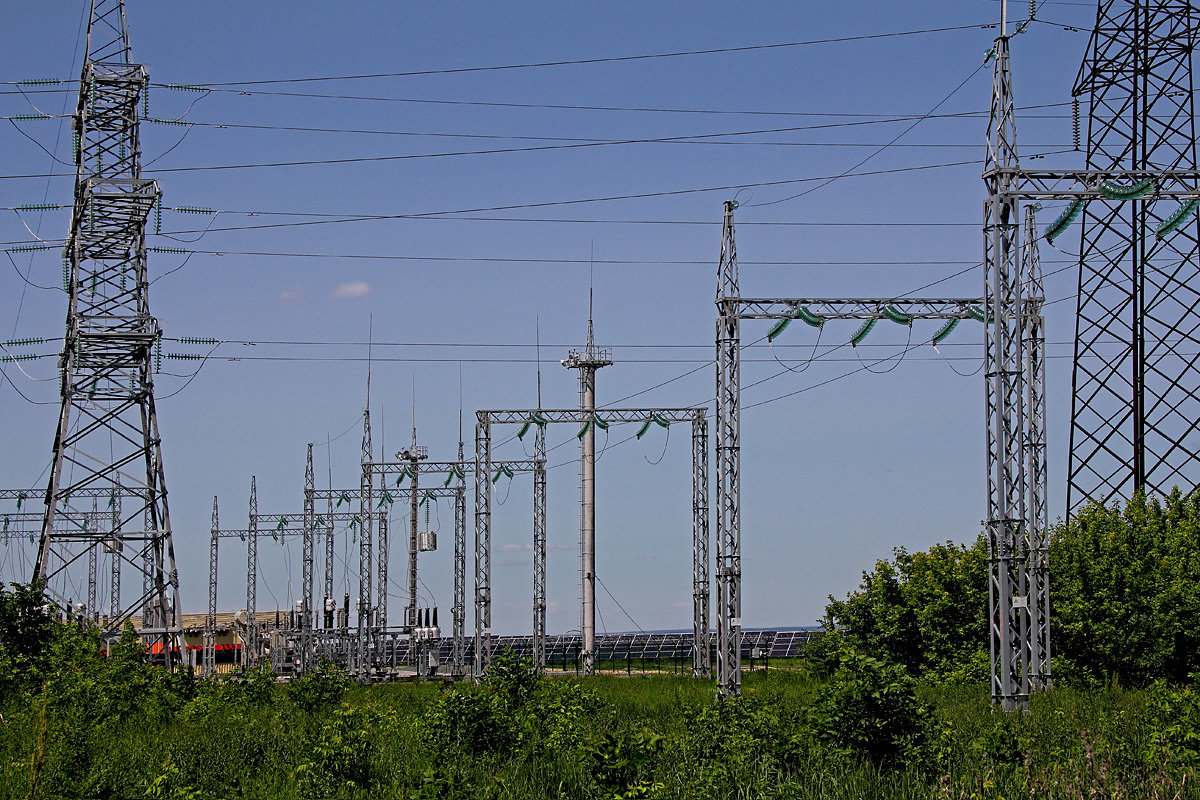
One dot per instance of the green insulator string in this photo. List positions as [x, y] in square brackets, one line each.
[897, 316]
[20, 500]
[978, 315]
[424, 502]
[503, 471]
[524, 429]
[1117, 191]
[778, 328]
[24, 342]
[1075, 121]
[146, 100]
[66, 265]
[386, 500]
[344, 497]
[1054, 229]
[1178, 218]
[157, 354]
[862, 332]
[809, 318]
[944, 331]
[401, 476]
[158, 214]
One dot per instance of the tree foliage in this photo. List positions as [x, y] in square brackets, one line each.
[926, 611]
[1125, 591]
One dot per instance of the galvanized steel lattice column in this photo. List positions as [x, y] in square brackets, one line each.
[366, 530]
[1007, 528]
[483, 548]
[1135, 414]
[107, 433]
[701, 645]
[306, 579]
[729, 533]
[539, 548]
[250, 651]
[209, 660]
[1034, 342]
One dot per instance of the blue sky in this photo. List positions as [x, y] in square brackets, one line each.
[836, 470]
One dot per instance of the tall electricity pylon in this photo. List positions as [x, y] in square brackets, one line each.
[107, 437]
[1135, 413]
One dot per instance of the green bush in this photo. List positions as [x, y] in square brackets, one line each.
[870, 709]
[926, 611]
[319, 689]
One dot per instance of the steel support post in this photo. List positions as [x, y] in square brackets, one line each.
[729, 559]
[310, 534]
[701, 649]
[93, 552]
[1005, 403]
[459, 611]
[383, 542]
[1034, 343]
[483, 548]
[414, 500]
[209, 661]
[116, 549]
[329, 559]
[539, 549]
[250, 658]
[366, 528]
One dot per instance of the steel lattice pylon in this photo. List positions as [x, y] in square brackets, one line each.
[107, 440]
[1135, 415]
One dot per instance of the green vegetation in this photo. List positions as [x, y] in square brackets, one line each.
[892, 703]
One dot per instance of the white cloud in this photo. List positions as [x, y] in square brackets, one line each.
[292, 296]
[352, 289]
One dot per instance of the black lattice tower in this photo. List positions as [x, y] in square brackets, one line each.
[1135, 417]
[107, 439]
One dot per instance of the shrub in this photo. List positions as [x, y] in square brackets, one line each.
[319, 689]
[870, 709]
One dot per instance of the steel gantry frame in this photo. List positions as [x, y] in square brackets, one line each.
[1010, 304]
[592, 418]
[107, 437]
[1017, 514]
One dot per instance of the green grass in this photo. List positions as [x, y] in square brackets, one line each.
[612, 735]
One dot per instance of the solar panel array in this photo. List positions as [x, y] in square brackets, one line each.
[566, 649]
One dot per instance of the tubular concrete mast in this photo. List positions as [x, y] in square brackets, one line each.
[1135, 413]
[107, 437]
[587, 361]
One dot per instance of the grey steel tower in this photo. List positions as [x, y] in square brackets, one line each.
[107, 440]
[1135, 415]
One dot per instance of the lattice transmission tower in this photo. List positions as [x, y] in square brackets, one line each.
[107, 442]
[1135, 416]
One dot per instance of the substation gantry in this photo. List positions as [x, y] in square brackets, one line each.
[1017, 307]
[98, 526]
[590, 419]
[1109, 402]
[107, 441]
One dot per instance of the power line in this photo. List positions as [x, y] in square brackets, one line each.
[600, 60]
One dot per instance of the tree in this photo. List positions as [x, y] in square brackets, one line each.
[1125, 591]
[926, 611]
[26, 631]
